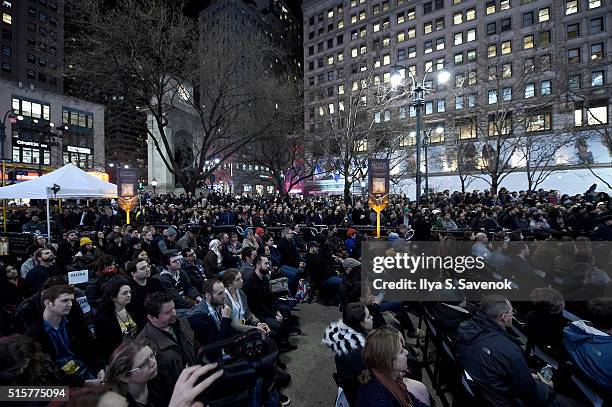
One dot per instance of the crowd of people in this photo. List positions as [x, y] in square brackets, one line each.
[195, 271]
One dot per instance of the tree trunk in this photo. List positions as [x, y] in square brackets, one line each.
[348, 196]
[494, 184]
[462, 179]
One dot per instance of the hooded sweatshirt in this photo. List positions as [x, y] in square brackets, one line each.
[591, 350]
[496, 362]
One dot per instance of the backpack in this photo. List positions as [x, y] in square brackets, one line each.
[303, 291]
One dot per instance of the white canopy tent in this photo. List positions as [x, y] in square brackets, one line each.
[66, 182]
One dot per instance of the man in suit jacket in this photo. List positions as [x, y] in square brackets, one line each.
[211, 319]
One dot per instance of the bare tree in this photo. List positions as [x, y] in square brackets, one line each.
[539, 155]
[152, 50]
[285, 158]
[360, 122]
[517, 103]
[588, 105]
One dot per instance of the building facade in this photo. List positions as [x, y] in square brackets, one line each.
[545, 64]
[32, 41]
[48, 130]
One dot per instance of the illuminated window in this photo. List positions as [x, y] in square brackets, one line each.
[594, 3]
[597, 51]
[538, 122]
[470, 14]
[7, 18]
[529, 90]
[528, 41]
[597, 78]
[471, 35]
[507, 70]
[458, 18]
[492, 50]
[544, 14]
[571, 7]
[597, 115]
[458, 38]
[490, 9]
[492, 95]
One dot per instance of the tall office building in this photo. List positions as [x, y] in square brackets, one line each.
[53, 129]
[510, 54]
[32, 43]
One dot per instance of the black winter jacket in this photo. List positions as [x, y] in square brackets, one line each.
[496, 362]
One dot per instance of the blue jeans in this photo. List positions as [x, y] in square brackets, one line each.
[293, 278]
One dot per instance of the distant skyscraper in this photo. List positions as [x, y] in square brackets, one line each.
[32, 41]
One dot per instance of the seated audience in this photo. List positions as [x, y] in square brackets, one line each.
[172, 340]
[113, 322]
[142, 285]
[130, 369]
[589, 344]
[70, 345]
[384, 382]
[242, 317]
[177, 284]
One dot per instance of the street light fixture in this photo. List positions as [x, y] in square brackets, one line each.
[154, 185]
[418, 90]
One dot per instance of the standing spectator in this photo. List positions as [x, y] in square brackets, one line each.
[113, 323]
[171, 339]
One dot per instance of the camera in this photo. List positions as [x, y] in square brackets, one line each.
[244, 358]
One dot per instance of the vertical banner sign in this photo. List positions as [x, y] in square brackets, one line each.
[127, 182]
[127, 189]
[378, 187]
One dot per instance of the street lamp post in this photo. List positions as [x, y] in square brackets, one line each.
[426, 142]
[418, 91]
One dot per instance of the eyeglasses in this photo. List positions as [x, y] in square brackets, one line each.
[147, 363]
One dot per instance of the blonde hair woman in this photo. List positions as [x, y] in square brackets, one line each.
[383, 383]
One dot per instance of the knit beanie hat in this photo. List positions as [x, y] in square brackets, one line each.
[85, 240]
